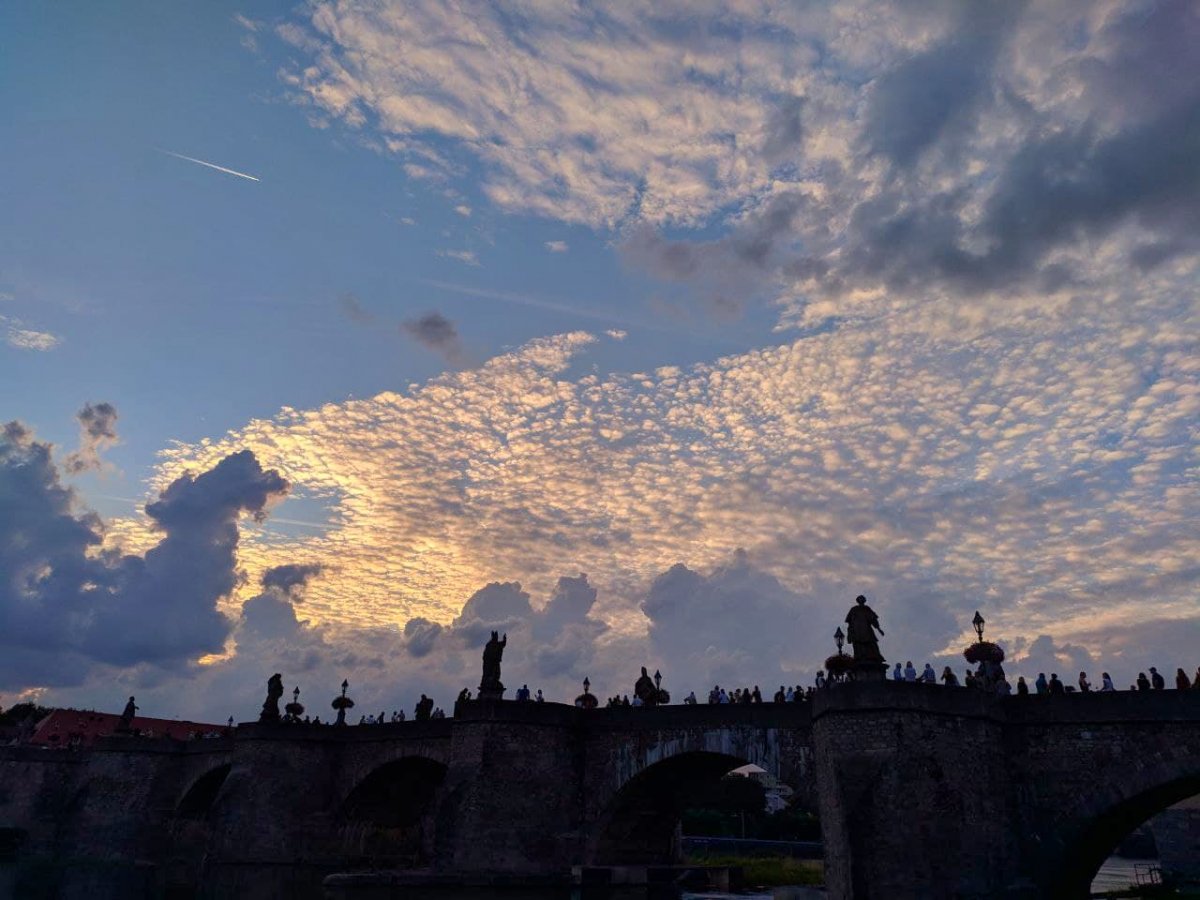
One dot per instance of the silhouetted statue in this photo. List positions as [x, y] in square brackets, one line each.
[862, 623]
[493, 651]
[270, 707]
[646, 689]
[126, 723]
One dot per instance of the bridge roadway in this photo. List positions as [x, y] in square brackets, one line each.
[923, 791]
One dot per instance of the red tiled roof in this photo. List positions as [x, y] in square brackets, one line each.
[64, 726]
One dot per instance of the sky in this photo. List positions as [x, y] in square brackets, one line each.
[335, 335]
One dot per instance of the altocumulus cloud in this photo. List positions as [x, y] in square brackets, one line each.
[1034, 463]
[945, 150]
[986, 229]
[67, 605]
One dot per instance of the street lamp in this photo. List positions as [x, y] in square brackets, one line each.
[839, 639]
[587, 685]
[978, 623]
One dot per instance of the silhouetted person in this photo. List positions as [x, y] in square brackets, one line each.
[1156, 680]
[1040, 685]
[1143, 683]
[1056, 686]
[756, 695]
[1084, 686]
[1106, 685]
[910, 672]
[1022, 687]
[126, 724]
[928, 675]
[423, 710]
[898, 673]
[781, 694]
[949, 679]
[1181, 680]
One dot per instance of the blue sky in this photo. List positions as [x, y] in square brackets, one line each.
[895, 298]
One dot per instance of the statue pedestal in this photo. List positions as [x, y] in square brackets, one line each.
[491, 693]
[869, 671]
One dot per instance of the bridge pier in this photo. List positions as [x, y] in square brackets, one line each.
[512, 791]
[914, 795]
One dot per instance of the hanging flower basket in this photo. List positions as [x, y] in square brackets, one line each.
[342, 703]
[839, 664]
[294, 709]
[984, 651]
[587, 701]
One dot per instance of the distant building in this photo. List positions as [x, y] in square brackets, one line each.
[81, 728]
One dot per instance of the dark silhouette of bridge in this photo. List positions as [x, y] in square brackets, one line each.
[922, 791]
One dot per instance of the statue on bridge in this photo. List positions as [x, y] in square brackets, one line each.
[490, 688]
[862, 623]
[270, 707]
[649, 689]
[125, 725]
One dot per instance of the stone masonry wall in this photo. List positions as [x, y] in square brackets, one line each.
[913, 793]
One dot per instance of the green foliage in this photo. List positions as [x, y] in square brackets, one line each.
[734, 807]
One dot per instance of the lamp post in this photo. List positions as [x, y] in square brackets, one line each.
[342, 703]
[586, 700]
[978, 623]
[840, 639]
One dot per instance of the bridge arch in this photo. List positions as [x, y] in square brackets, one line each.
[1099, 822]
[201, 795]
[388, 816]
[639, 823]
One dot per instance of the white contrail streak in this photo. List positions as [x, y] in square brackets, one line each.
[201, 162]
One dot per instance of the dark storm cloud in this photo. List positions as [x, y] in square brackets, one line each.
[1056, 189]
[437, 333]
[66, 602]
[288, 578]
[736, 623]
[1045, 177]
[557, 639]
[923, 99]
[273, 612]
[420, 636]
[97, 432]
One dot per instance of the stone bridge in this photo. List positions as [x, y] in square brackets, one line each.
[923, 791]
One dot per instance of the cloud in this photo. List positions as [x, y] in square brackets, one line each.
[463, 210]
[466, 257]
[68, 605]
[557, 246]
[272, 613]
[1034, 465]
[436, 332]
[353, 310]
[940, 156]
[97, 432]
[26, 339]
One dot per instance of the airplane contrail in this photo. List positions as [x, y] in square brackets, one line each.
[201, 162]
